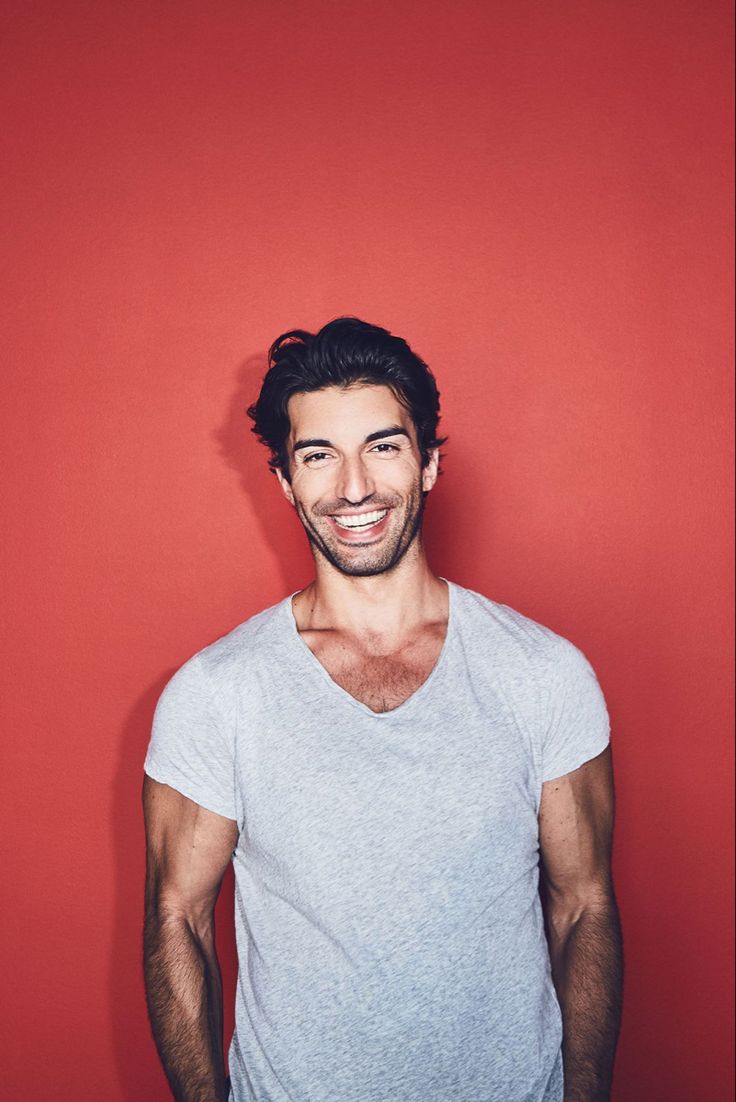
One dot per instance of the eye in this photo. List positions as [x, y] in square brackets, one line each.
[316, 457]
[384, 447]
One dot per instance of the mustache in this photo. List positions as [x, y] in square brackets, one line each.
[368, 503]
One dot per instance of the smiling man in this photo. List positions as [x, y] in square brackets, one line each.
[390, 761]
[359, 520]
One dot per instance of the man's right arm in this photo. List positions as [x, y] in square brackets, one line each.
[188, 851]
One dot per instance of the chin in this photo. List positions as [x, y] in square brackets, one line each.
[363, 570]
[362, 566]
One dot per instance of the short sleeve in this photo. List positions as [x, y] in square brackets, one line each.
[190, 748]
[575, 723]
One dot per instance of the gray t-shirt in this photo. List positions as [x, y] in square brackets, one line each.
[388, 922]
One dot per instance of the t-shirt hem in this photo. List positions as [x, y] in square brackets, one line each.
[574, 761]
[164, 776]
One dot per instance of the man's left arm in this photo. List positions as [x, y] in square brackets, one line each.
[575, 833]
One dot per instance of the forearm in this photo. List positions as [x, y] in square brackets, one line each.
[587, 967]
[184, 993]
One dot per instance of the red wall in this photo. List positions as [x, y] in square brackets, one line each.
[538, 197]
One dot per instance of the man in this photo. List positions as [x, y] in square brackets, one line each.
[384, 756]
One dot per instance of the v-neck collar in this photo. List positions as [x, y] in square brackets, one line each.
[313, 661]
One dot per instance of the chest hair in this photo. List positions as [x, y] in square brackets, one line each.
[380, 681]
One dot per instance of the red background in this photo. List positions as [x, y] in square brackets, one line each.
[538, 197]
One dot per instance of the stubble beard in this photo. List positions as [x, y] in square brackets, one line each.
[368, 561]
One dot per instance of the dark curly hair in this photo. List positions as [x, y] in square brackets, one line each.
[345, 351]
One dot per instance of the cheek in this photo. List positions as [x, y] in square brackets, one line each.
[402, 472]
[301, 479]
[309, 487]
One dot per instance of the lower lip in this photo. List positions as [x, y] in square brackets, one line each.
[361, 535]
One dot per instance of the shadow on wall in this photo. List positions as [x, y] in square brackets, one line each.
[275, 522]
[237, 445]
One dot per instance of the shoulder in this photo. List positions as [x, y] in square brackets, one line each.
[526, 650]
[226, 662]
[507, 626]
[549, 679]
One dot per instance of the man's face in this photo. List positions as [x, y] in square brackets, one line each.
[357, 481]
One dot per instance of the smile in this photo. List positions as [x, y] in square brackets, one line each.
[360, 520]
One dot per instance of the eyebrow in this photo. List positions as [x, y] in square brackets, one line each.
[381, 434]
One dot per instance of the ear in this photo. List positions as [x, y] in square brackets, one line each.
[429, 473]
[285, 486]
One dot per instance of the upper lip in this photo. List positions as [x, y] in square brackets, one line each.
[361, 512]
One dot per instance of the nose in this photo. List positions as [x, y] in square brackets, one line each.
[355, 483]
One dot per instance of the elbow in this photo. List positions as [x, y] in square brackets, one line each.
[567, 908]
[167, 913]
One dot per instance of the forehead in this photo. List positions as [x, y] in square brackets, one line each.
[345, 411]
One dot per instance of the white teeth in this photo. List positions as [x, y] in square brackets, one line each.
[360, 520]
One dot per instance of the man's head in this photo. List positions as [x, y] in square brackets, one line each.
[343, 352]
[350, 417]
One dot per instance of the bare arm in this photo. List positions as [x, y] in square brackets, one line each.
[188, 850]
[575, 832]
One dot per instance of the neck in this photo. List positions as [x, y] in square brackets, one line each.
[390, 605]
